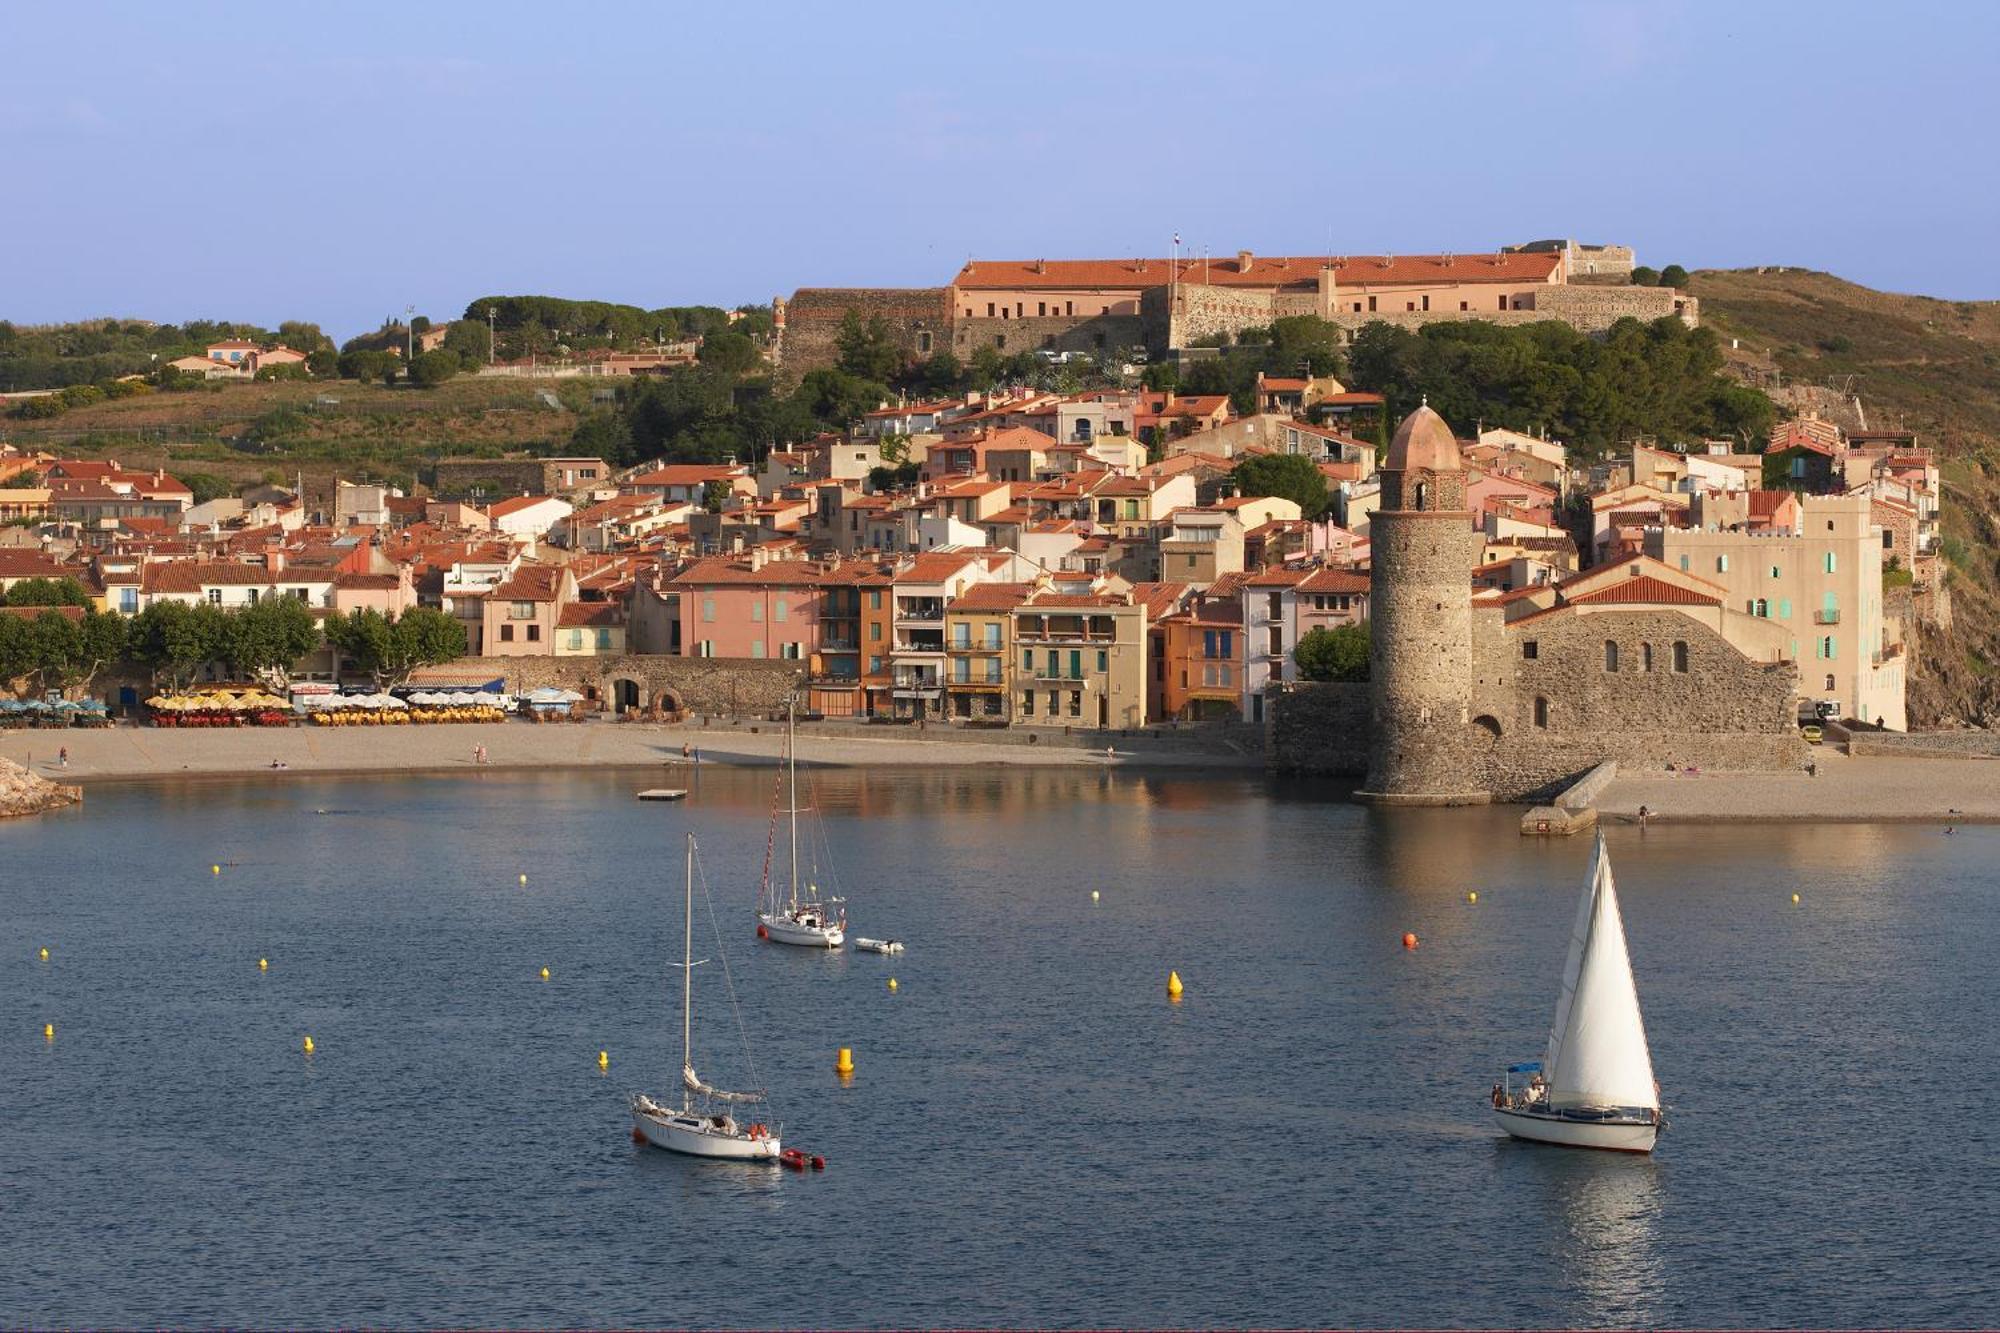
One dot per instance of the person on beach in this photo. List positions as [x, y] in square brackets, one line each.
[1643, 813]
[62, 757]
[687, 751]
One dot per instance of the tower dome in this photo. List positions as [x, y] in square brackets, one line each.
[1423, 442]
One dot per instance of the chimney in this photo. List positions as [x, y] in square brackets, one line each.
[274, 560]
[1041, 266]
[1243, 261]
[758, 557]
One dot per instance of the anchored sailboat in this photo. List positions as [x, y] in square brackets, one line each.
[1593, 1087]
[706, 1124]
[798, 920]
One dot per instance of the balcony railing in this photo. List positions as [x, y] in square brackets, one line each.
[1825, 617]
[1029, 635]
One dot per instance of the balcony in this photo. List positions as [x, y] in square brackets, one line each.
[1825, 617]
[919, 611]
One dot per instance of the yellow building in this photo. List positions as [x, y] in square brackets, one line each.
[1080, 660]
[978, 645]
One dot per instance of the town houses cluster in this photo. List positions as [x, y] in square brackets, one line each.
[1035, 559]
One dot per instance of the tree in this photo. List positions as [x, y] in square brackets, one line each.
[104, 638]
[1291, 476]
[715, 494]
[302, 336]
[266, 640]
[389, 650]
[868, 350]
[943, 373]
[837, 398]
[434, 367]
[894, 448]
[729, 353]
[1339, 654]
[367, 364]
[207, 486]
[47, 592]
[175, 639]
[471, 340]
[1673, 275]
[1643, 276]
[323, 362]
[1304, 343]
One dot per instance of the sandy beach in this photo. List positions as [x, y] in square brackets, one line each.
[1847, 790]
[125, 753]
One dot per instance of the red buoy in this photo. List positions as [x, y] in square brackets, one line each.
[638, 1135]
[819, 1163]
[762, 933]
[1409, 939]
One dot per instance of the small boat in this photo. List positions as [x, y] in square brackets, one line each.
[808, 921]
[1593, 1086]
[878, 946]
[706, 1123]
[799, 1161]
[663, 794]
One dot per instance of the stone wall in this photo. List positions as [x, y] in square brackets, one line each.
[1595, 309]
[719, 685]
[813, 316]
[1319, 729]
[456, 478]
[1420, 655]
[1090, 334]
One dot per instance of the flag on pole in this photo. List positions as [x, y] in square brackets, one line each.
[1177, 238]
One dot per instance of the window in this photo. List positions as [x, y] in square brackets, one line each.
[961, 672]
[961, 635]
[215, 596]
[506, 634]
[1055, 703]
[1680, 655]
[1409, 305]
[1103, 661]
[1610, 655]
[128, 601]
[576, 640]
[1042, 309]
[874, 666]
[993, 635]
[874, 631]
[603, 640]
[1076, 703]
[992, 671]
[923, 344]
[1684, 564]
[708, 610]
[1464, 305]
[874, 599]
[1541, 711]
[1776, 573]
[1722, 564]
[534, 633]
[706, 648]
[1371, 305]
[1645, 657]
[756, 648]
[520, 610]
[1829, 562]
[253, 596]
[1427, 302]
[780, 610]
[757, 610]
[791, 652]
[989, 310]
[1531, 649]
[1829, 683]
[1760, 607]
[1028, 704]
[1784, 608]
[1075, 663]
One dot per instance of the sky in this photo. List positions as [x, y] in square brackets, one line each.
[338, 163]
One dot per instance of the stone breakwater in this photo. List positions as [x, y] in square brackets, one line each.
[22, 793]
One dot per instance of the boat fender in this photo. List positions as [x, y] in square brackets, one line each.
[819, 1162]
[638, 1135]
[762, 933]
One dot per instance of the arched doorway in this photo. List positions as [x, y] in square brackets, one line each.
[668, 704]
[625, 694]
[1489, 724]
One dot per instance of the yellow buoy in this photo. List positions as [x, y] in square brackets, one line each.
[215, 870]
[1173, 985]
[45, 953]
[604, 1059]
[845, 1063]
[48, 1032]
[1472, 896]
[892, 983]
[308, 1045]
[1795, 898]
[263, 965]
[1093, 895]
[545, 974]
[524, 879]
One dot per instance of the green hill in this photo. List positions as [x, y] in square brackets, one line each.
[1914, 362]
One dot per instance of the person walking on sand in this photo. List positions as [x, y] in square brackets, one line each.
[62, 757]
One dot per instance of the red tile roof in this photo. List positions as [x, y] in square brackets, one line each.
[1645, 590]
[1263, 271]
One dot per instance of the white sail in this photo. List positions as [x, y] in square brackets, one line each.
[692, 1082]
[1597, 1054]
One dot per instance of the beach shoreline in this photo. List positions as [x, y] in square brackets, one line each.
[125, 754]
[1876, 789]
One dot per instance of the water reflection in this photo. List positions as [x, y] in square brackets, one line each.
[1607, 1253]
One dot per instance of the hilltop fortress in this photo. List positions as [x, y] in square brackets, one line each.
[1113, 305]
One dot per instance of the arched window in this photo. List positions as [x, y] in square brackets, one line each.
[1541, 711]
[1829, 684]
[1645, 657]
[1423, 493]
[1680, 655]
[1610, 655]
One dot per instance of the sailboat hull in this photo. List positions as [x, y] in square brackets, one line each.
[1611, 1135]
[781, 929]
[699, 1136]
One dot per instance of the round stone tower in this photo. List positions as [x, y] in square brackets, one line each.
[1420, 658]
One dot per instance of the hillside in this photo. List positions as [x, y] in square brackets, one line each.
[1917, 363]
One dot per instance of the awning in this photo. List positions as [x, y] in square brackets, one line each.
[1532, 1067]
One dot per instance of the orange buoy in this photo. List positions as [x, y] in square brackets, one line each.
[638, 1135]
[762, 932]
[1409, 939]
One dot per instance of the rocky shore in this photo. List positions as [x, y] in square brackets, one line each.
[22, 793]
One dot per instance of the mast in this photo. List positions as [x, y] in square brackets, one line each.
[792, 760]
[687, 978]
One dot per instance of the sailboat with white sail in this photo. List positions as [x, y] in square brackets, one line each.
[706, 1124]
[1593, 1086]
[806, 919]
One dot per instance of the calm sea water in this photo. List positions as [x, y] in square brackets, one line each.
[1034, 1134]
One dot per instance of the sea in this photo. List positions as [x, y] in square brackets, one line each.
[1034, 1133]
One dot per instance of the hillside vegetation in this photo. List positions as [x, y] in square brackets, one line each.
[1914, 362]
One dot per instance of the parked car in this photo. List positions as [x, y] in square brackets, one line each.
[1827, 710]
[1812, 734]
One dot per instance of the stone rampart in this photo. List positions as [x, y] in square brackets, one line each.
[719, 685]
[1319, 729]
[920, 316]
[1090, 334]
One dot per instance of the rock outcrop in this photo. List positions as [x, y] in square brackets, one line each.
[22, 793]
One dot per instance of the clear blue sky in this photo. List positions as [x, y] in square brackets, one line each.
[338, 162]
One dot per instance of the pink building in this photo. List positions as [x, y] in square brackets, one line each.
[750, 606]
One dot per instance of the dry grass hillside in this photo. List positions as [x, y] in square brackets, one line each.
[1914, 362]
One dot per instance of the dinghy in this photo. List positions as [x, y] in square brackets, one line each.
[878, 946]
[1593, 1086]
